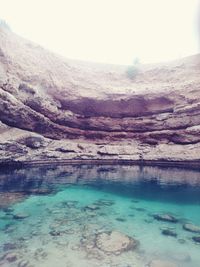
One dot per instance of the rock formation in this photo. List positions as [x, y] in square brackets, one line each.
[115, 242]
[56, 109]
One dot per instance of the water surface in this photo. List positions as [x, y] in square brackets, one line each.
[51, 216]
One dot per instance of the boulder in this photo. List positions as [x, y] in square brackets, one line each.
[191, 228]
[10, 257]
[169, 232]
[196, 239]
[115, 242]
[165, 218]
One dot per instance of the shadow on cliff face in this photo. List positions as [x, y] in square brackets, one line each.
[132, 107]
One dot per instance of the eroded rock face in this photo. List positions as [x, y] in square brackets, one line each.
[155, 116]
[115, 242]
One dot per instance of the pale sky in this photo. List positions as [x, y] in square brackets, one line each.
[110, 31]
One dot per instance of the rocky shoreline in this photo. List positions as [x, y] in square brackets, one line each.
[173, 164]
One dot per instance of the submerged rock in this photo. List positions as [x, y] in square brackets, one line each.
[115, 242]
[191, 228]
[92, 207]
[20, 216]
[169, 232]
[104, 202]
[23, 263]
[165, 218]
[70, 203]
[55, 233]
[119, 219]
[196, 239]
[10, 257]
[8, 210]
[181, 241]
[9, 246]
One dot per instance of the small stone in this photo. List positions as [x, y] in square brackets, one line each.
[55, 233]
[69, 231]
[120, 219]
[104, 202]
[10, 257]
[92, 207]
[9, 246]
[181, 241]
[196, 239]
[8, 210]
[165, 218]
[70, 204]
[191, 228]
[20, 216]
[169, 232]
[23, 263]
[148, 221]
[140, 209]
[90, 246]
[34, 142]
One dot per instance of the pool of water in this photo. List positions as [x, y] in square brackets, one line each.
[55, 216]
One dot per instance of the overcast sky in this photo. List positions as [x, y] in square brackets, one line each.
[111, 31]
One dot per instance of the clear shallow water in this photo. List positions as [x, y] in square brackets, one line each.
[65, 208]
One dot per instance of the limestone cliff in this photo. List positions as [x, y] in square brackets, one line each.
[52, 108]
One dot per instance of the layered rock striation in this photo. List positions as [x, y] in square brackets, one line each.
[57, 109]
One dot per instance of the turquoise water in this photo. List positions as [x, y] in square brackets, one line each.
[64, 209]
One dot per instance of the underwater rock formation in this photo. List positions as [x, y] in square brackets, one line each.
[52, 108]
[165, 218]
[191, 228]
[115, 242]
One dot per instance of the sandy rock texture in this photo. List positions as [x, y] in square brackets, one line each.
[52, 108]
[115, 242]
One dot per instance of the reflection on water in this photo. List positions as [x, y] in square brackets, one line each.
[93, 215]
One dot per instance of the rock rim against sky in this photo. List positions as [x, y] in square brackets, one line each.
[57, 109]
